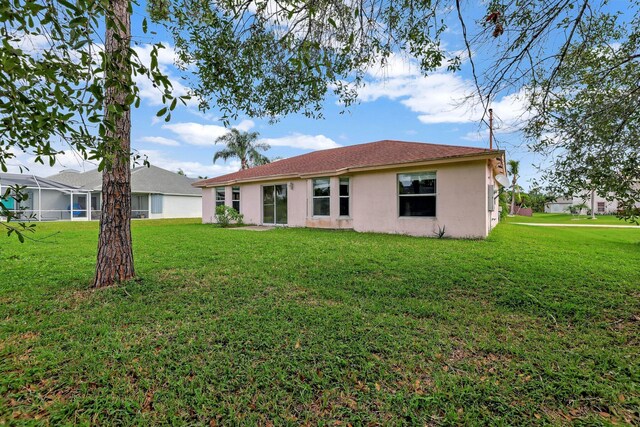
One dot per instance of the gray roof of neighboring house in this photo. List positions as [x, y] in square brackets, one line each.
[33, 181]
[144, 179]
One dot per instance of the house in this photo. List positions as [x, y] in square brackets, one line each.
[155, 192]
[47, 200]
[386, 186]
[559, 205]
[582, 205]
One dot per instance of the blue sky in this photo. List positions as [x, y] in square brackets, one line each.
[397, 103]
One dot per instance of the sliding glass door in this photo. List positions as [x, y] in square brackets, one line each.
[274, 204]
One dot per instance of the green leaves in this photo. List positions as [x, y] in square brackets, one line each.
[53, 78]
[269, 61]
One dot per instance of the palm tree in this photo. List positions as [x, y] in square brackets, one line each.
[514, 170]
[244, 146]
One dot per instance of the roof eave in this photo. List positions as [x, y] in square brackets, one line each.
[409, 164]
[343, 171]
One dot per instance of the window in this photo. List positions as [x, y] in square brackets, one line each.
[601, 207]
[95, 201]
[139, 206]
[321, 197]
[417, 194]
[219, 196]
[235, 198]
[344, 196]
[156, 203]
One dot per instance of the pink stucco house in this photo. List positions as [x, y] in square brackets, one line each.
[385, 186]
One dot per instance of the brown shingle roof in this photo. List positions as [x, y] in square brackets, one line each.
[371, 154]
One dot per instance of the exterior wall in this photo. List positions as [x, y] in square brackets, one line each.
[334, 220]
[610, 207]
[180, 207]
[208, 205]
[461, 204]
[251, 203]
[557, 207]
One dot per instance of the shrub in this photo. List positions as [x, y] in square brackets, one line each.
[226, 215]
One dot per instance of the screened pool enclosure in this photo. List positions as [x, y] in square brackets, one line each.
[48, 200]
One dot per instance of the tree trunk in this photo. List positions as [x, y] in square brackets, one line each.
[513, 200]
[115, 253]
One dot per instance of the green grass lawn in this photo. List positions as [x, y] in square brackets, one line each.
[300, 326]
[547, 218]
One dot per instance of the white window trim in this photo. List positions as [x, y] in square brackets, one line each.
[398, 195]
[234, 200]
[348, 197]
[224, 199]
[314, 197]
[274, 223]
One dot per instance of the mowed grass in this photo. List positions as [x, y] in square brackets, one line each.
[312, 327]
[549, 218]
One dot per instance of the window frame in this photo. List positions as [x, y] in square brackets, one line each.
[434, 194]
[235, 190]
[216, 192]
[154, 198]
[314, 197]
[348, 197]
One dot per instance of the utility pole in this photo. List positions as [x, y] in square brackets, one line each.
[490, 128]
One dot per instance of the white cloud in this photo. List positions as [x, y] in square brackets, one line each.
[160, 140]
[245, 125]
[298, 140]
[441, 97]
[31, 43]
[167, 62]
[190, 168]
[478, 135]
[153, 95]
[396, 65]
[166, 55]
[69, 160]
[72, 160]
[196, 133]
[203, 135]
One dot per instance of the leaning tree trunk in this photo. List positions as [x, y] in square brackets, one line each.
[115, 253]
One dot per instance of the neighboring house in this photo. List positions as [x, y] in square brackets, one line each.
[155, 192]
[601, 205]
[559, 205]
[386, 186]
[47, 200]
